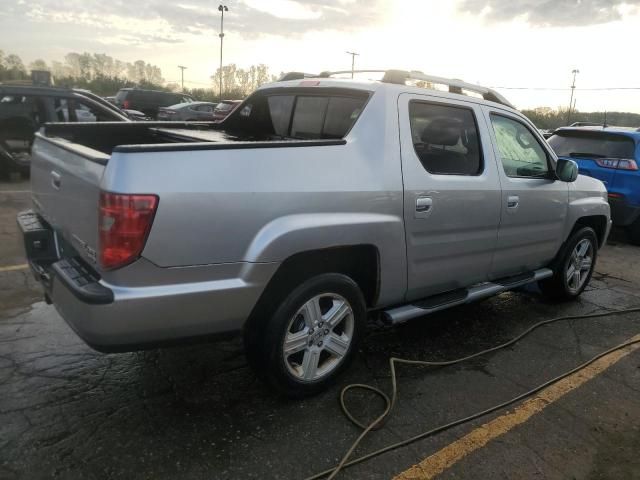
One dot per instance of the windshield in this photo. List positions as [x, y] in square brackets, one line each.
[592, 144]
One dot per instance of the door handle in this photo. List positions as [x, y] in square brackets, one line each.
[424, 204]
[56, 179]
[513, 201]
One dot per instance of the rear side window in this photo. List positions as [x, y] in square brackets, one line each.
[592, 144]
[445, 138]
[520, 152]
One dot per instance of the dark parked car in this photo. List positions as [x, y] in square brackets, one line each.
[24, 109]
[224, 108]
[188, 111]
[148, 101]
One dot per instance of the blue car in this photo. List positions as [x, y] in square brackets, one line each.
[612, 155]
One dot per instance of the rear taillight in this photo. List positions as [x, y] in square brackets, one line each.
[617, 163]
[124, 224]
[126, 104]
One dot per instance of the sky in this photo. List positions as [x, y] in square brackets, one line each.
[507, 44]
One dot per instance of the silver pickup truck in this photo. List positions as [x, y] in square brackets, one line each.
[317, 201]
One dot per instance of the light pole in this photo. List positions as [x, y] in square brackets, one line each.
[353, 61]
[573, 87]
[182, 69]
[221, 9]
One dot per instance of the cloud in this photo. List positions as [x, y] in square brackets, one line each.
[169, 22]
[556, 13]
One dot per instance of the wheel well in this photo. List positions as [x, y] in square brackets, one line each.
[359, 262]
[597, 222]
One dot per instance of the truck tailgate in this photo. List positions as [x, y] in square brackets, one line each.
[65, 183]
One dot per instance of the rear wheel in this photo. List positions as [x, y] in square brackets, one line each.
[574, 266]
[311, 337]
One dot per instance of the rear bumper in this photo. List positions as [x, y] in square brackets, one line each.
[115, 318]
[622, 213]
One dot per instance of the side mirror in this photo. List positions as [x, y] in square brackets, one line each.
[567, 170]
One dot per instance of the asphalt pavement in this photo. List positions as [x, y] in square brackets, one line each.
[198, 412]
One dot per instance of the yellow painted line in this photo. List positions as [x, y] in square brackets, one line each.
[12, 268]
[440, 461]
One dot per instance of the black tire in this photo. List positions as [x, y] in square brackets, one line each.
[264, 337]
[558, 287]
[634, 232]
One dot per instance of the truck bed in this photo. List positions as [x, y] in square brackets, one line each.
[104, 138]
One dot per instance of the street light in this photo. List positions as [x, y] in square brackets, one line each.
[573, 87]
[353, 61]
[221, 9]
[182, 69]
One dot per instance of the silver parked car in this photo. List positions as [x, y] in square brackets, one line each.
[188, 112]
[311, 205]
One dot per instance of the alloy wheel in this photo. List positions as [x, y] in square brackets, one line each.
[318, 337]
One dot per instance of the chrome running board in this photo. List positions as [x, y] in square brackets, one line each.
[436, 303]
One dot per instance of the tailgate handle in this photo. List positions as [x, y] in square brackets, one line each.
[56, 179]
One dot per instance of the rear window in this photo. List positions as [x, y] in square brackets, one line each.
[121, 95]
[300, 113]
[592, 144]
[314, 116]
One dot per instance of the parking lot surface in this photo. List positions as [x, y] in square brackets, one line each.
[198, 412]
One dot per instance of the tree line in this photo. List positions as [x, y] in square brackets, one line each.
[97, 72]
[547, 118]
[105, 75]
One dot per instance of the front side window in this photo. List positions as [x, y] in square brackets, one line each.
[445, 138]
[85, 112]
[61, 106]
[520, 152]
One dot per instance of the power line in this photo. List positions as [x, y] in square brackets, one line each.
[566, 89]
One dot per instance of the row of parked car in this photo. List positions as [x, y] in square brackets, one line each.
[155, 104]
[25, 108]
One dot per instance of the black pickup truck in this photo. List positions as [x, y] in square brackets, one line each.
[24, 109]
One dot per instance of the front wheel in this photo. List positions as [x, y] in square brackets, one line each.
[311, 337]
[574, 267]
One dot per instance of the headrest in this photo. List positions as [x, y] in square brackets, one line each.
[442, 131]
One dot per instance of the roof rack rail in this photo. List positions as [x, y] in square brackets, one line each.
[296, 76]
[400, 77]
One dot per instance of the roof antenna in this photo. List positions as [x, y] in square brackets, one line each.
[604, 125]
